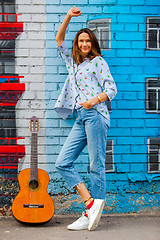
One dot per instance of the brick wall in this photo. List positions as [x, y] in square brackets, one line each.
[129, 187]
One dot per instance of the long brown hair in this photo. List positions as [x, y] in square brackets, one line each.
[95, 50]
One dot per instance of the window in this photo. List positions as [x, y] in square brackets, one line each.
[7, 124]
[7, 7]
[101, 28]
[154, 155]
[7, 67]
[109, 156]
[153, 95]
[7, 48]
[153, 33]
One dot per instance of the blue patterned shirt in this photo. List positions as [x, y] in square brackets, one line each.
[85, 81]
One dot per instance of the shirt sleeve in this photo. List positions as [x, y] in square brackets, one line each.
[105, 78]
[66, 55]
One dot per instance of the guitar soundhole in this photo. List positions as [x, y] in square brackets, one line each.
[33, 184]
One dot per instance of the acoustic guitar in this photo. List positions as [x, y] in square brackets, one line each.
[33, 203]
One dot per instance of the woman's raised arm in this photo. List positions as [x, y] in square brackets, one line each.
[73, 12]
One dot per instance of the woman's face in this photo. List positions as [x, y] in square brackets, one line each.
[84, 43]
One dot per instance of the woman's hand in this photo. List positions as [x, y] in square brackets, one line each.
[88, 104]
[94, 101]
[74, 12]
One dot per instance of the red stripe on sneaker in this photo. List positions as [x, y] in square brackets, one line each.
[90, 204]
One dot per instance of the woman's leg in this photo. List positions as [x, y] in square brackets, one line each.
[84, 193]
[95, 207]
[70, 151]
[94, 126]
[96, 131]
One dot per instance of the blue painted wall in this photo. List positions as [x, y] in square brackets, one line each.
[130, 188]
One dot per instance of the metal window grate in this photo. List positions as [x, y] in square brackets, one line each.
[153, 33]
[102, 30]
[154, 155]
[153, 95]
[109, 163]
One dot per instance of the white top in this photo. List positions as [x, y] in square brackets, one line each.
[85, 81]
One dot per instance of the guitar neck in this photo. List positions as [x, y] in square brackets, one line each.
[34, 157]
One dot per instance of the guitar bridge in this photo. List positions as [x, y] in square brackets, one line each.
[33, 205]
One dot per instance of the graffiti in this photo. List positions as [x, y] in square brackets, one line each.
[11, 90]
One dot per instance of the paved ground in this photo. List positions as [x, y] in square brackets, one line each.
[111, 227]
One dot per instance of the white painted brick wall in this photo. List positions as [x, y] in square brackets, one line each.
[30, 62]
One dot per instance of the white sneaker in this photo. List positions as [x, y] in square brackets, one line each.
[80, 224]
[94, 213]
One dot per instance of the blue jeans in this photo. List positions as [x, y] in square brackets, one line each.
[90, 128]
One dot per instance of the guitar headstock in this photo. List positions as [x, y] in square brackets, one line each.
[34, 124]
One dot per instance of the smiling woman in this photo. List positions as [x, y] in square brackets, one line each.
[87, 87]
[84, 43]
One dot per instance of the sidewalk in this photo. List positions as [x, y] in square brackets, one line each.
[111, 227]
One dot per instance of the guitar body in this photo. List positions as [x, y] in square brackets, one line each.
[33, 203]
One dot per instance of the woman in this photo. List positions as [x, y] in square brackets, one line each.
[87, 87]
